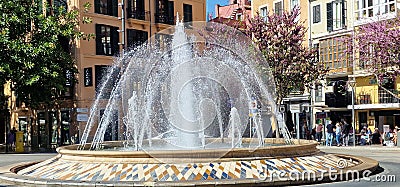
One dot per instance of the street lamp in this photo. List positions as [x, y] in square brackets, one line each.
[352, 83]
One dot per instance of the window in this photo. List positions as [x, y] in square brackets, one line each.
[278, 7]
[371, 8]
[163, 41]
[107, 38]
[136, 9]
[55, 6]
[294, 3]
[106, 7]
[332, 55]
[264, 13]
[105, 73]
[111, 133]
[88, 76]
[336, 15]
[164, 12]
[187, 13]
[239, 17]
[136, 37]
[316, 14]
[318, 93]
[60, 3]
[316, 47]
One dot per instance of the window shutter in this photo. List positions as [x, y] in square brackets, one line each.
[114, 40]
[329, 16]
[97, 6]
[145, 36]
[130, 9]
[99, 45]
[318, 9]
[129, 37]
[114, 8]
[344, 12]
[171, 13]
[140, 5]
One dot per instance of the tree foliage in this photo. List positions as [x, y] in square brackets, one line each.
[281, 39]
[35, 43]
[377, 47]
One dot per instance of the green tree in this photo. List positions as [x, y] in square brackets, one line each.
[35, 43]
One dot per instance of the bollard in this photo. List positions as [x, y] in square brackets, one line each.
[19, 144]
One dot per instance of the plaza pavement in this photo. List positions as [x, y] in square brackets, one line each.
[388, 157]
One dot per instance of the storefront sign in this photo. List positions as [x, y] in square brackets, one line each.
[82, 117]
[82, 110]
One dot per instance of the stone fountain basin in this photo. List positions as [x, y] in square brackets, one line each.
[239, 166]
[278, 150]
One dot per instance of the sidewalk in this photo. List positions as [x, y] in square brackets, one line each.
[361, 147]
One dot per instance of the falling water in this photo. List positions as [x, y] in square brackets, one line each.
[177, 91]
[235, 130]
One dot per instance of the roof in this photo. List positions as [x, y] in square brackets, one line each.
[230, 22]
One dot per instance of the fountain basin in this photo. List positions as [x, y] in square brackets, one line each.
[300, 148]
[239, 166]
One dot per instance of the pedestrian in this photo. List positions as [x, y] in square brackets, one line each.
[306, 132]
[338, 133]
[318, 132]
[376, 137]
[329, 134]
[10, 140]
[345, 133]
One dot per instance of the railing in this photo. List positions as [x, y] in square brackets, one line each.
[386, 97]
[139, 14]
[364, 99]
[163, 18]
[383, 97]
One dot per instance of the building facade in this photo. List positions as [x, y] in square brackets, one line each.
[329, 22]
[114, 32]
[142, 20]
[332, 101]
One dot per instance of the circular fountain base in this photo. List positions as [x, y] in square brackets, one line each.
[240, 166]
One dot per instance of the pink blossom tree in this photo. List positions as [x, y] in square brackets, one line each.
[377, 47]
[281, 38]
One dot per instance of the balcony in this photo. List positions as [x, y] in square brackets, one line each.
[139, 14]
[376, 99]
[164, 18]
[386, 97]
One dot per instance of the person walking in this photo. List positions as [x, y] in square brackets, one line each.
[338, 133]
[345, 133]
[318, 132]
[329, 134]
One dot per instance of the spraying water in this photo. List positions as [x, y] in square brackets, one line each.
[178, 89]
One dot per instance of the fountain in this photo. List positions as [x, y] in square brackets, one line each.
[184, 106]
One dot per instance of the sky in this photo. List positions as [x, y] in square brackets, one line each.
[211, 6]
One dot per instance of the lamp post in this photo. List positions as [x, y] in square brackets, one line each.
[352, 83]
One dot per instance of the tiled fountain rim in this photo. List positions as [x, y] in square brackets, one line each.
[5, 174]
[300, 148]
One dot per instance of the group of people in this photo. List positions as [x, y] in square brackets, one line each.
[340, 132]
